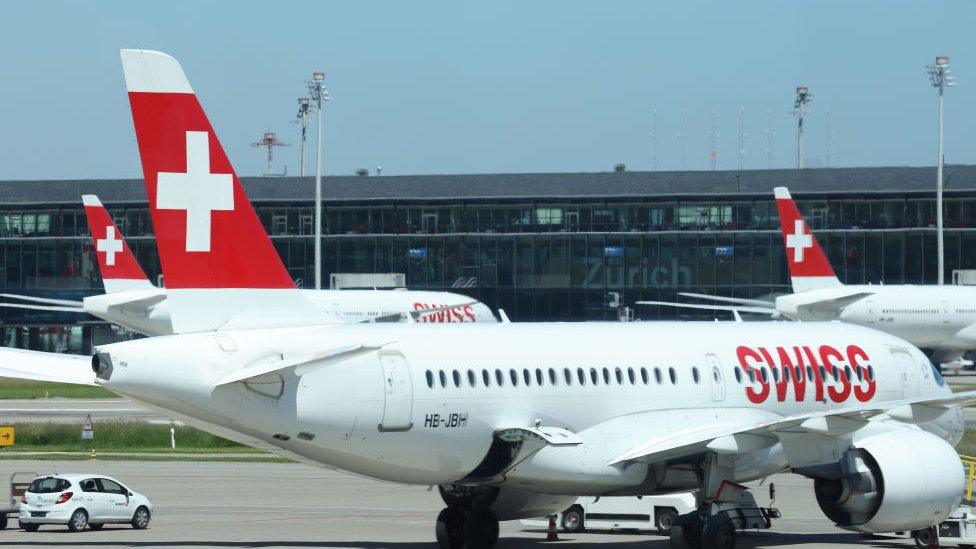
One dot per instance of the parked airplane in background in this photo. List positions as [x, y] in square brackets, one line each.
[938, 319]
[513, 420]
[133, 302]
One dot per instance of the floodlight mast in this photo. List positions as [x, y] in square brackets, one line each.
[803, 98]
[941, 77]
[302, 116]
[318, 94]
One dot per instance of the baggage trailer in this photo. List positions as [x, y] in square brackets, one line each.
[14, 493]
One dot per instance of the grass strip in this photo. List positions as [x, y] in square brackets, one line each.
[27, 389]
[121, 436]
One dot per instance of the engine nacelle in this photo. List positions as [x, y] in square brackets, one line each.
[898, 481]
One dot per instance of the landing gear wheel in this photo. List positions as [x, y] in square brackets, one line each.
[572, 520]
[922, 537]
[664, 520]
[686, 532]
[480, 529]
[29, 526]
[3, 521]
[449, 529]
[78, 521]
[719, 532]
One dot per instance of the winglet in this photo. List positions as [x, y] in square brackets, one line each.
[809, 267]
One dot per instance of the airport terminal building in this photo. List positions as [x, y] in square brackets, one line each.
[554, 246]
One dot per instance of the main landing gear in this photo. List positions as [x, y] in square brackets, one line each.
[728, 508]
[467, 521]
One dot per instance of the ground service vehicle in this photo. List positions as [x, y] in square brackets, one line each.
[81, 501]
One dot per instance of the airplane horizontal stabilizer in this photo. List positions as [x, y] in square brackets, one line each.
[49, 301]
[737, 308]
[740, 300]
[39, 366]
[277, 366]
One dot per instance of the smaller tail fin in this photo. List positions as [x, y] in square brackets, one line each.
[120, 270]
[809, 267]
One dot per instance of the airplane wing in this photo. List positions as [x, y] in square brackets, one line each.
[38, 366]
[735, 438]
[734, 308]
[740, 300]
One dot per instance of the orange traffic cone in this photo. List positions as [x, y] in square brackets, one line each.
[934, 537]
[552, 535]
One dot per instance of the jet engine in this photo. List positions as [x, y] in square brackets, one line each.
[897, 481]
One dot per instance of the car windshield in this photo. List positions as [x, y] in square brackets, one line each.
[48, 485]
[937, 375]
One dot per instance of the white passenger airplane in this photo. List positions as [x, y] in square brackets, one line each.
[133, 302]
[939, 319]
[515, 420]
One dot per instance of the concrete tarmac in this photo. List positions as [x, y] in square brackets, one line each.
[74, 410]
[221, 505]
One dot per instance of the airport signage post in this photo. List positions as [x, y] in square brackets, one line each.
[87, 431]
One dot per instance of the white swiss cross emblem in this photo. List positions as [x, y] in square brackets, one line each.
[798, 241]
[110, 245]
[197, 191]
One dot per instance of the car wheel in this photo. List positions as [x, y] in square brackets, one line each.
[29, 526]
[78, 521]
[95, 526]
[664, 520]
[572, 520]
[140, 519]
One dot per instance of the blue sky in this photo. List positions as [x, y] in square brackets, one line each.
[502, 86]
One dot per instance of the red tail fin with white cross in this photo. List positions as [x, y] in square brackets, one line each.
[220, 267]
[809, 267]
[120, 270]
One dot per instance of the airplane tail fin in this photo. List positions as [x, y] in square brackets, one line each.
[120, 270]
[809, 267]
[220, 266]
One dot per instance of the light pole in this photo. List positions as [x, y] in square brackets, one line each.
[302, 116]
[318, 94]
[940, 76]
[803, 98]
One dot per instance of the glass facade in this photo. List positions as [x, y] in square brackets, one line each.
[538, 260]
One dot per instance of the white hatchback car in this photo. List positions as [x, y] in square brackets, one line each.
[81, 500]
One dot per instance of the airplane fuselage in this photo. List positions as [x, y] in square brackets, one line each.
[407, 404]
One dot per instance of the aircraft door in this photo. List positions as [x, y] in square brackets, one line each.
[398, 392]
[907, 369]
[716, 376]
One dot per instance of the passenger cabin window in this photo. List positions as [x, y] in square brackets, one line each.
[538, 376]
[696, 376]
[644, 375]
[631, 376]
[500, 378]
[568, 376]
[581, 376]
[673, 374]
[486, 378]
[619, 375]
[527, 377]
[514, 377]
[440, 374]
[472, 381]
[738, 375]
[594, 377]
[457, 378]
[552, 376]
[657, 375]
[430, 379]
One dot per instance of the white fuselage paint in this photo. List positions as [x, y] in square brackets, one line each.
[130, 309]
[937, 317]
[340, 402]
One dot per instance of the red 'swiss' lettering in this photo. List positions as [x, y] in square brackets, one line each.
[858, 359]
[456, 314]
[754, 396]
[846, 375]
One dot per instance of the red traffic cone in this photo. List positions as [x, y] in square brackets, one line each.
[552, 535]
[934, 537]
